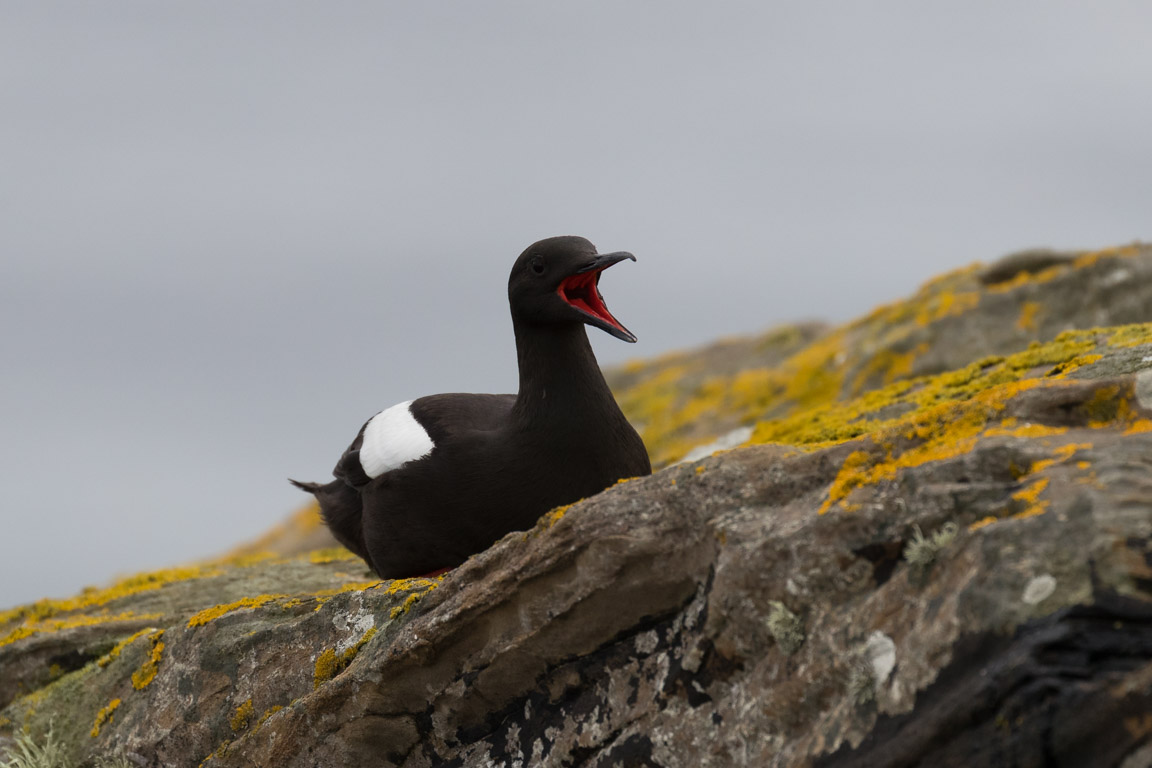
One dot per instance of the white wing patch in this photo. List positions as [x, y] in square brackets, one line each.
[392, 438]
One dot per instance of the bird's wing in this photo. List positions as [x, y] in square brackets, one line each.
[411, 430]
[349, 469]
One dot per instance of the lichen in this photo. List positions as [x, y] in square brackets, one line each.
[785, 627]
[104, 716]
[812, 398]
[242, 717]
[556, 515]
[107, 658]
[923, 550]
[26, 751]
[324, 595]
[329, 663]
[861, 683]
[92, 597]
[211, 614]
[36, 627]
[1060, 455]
[1028, 312]
[268, 713]
[142, 677]
[330, 555]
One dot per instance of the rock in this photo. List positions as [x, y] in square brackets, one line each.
[951, 569]
[1027, 262]
[680, 402]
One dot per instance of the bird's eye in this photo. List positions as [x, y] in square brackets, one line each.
[537, 264]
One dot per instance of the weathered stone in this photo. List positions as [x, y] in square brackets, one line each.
[945, 570]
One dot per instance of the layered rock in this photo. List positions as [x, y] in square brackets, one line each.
[936, 551]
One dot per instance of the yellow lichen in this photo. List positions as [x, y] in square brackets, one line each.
[1138, 426]
[1028, 312]
[406, 606]
[1131, 335]
[1030, 499]
[93, 598]
[1032, 492]
[210, 614]
[242, 717]
[268, 713]
[933, 434]
[36, 627]
[151, 666]
[330, 555]
[983, 523]
[107, 658]
[1036, 509]
[324, 595]
[1025, 430]
[104, 716]
[329, 663]
[853, 473]
[946, 304]
[325, 668]
[1060, 455]
[296, 528]
[551, 518]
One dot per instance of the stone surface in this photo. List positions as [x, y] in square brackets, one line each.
[951, 569]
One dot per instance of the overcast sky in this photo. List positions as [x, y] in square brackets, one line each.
[230, 232]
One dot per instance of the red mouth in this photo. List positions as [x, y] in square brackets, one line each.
[581, 291]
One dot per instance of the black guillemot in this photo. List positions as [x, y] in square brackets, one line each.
[431, 481]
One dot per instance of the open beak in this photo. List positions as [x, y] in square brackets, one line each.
[581, 290]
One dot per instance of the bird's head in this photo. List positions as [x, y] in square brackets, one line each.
[556, 281]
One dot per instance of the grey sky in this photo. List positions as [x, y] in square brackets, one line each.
[231, 232]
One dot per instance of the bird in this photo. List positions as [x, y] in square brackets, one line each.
[429, 482]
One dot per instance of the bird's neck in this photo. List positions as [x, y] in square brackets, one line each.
[560, 380]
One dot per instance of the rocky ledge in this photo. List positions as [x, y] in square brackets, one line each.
[931, 548]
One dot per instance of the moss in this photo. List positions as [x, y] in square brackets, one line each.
[142, 677]
[785, 627]
[104, 716]
[242, 717]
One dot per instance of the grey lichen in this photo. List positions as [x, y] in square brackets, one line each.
[923, 550]
[861, 681]
[28, 752]
[785, 628]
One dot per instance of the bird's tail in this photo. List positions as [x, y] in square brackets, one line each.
[309, 487]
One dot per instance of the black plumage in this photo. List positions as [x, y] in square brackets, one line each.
[499, 461]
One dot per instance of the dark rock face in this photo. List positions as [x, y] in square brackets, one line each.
[967, 581]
